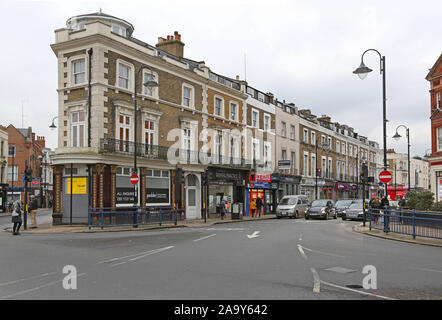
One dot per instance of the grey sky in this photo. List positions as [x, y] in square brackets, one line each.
[301, 51]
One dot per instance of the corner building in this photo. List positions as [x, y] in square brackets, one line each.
[193, 119]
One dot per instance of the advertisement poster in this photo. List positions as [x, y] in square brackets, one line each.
[125, 196]
[157, 195]
[78, 187]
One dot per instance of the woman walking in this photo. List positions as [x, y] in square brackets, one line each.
[16, 218]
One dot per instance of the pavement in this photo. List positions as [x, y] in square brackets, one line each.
[398, 237]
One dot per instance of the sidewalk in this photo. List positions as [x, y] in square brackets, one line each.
[396, 236]
[66, 229]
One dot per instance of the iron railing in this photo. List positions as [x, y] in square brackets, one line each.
[183, 156]
[120, 216]
[409, 222]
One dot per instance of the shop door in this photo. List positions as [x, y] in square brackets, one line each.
[192, 198]
[254, 194]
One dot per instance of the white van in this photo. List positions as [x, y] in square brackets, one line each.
[292, 206]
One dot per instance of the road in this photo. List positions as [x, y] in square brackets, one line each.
[267, 259]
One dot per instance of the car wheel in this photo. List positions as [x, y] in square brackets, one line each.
[344, 218]
[278, 217]
[306, 217]
[335, 216]
[296, 215]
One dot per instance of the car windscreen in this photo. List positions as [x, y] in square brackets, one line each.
[319, 203]
[343, 203]
[356, 205]
[286, 201]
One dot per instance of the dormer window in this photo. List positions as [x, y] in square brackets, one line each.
[118, 30]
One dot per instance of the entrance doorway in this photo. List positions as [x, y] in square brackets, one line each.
[193, 207]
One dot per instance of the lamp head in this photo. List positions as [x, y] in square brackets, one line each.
[397, 136]
[362, 71]
[52, 126]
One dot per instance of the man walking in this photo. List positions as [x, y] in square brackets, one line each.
[259, 206]
[33, 212]
[16, 217]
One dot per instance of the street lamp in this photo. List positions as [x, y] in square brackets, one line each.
[397, 136]
[323, 146]
[362, 72]
[150, 83]
[53, 126]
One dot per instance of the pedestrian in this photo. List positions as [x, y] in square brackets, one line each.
[253, 207]
[375, 204]
[10, 206]
[259, 206]
[33, 212]
[222, 207]
[16, 217]
[384, 211]
[402, 202]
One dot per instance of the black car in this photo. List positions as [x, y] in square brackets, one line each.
[321, 209]
[342, 205]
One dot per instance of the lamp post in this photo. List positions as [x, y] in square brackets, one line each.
[323, 145]
[150, 83]
[397, 136]
[362, 72]
[357, 171]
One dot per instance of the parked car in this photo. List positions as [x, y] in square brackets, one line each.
[292, 206]
[321, 209]
[355, 211]
[342, 205]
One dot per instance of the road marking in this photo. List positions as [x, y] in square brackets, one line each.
[117, 264]
[129, 256]
[36, 288]
[153, 252]
[316, 281]
[424, 269]
[253, 235]
[205, 237]
[302, 251]
[30, 278]
[300, 237]
[324, 253]
[357, 291]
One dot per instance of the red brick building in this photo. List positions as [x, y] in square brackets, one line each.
[22, 145]
[435, 79]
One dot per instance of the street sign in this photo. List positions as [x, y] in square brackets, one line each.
[134, 178]
[35, 181]
[284, 164]
[385, 176]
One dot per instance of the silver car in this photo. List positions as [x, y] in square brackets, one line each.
[292, 206]
[354, 212]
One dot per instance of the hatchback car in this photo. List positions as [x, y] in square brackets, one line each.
[321, 209]
[342, 205]
[292, 206]
[355, 211]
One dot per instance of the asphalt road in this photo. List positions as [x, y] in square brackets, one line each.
[267, 259]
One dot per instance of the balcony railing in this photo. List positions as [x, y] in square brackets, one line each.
[182, 156]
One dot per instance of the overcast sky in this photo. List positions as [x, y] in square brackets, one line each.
[302, 51]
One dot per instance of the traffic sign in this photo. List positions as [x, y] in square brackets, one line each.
[385, 176]
[134, 178]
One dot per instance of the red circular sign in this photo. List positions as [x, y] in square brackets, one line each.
[385, 176]
[134, 178]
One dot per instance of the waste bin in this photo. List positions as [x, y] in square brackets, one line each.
[236, 211]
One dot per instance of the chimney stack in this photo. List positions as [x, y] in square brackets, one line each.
[172, 44]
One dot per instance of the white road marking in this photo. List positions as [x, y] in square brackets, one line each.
[302, 252]
[357, 291]
[36, 288]
[324, 253]
[424, 269]
[129, 256]
[300, 237]
[153, 252]
[316, 281]
[117, 264]
[253, 235]
[30, 278]
[205, 237]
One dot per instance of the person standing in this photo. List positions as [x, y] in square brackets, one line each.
[33, 212]
[222, 207]
[259, 206]
[16, 217]
[253, 207]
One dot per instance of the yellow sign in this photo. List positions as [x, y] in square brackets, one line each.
[78, 187]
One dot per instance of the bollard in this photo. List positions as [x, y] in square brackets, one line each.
[89, 218]
[369, 219]
[101, 216]
[414, 225]
[175, 218]
[161, 217]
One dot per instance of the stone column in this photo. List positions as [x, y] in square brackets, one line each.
[100, 174]
[143, 187]
[57, 214]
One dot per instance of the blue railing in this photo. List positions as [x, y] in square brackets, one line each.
[409, 222]
[119, 216]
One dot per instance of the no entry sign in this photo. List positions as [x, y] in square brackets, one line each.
[134, 178]
[385, 176]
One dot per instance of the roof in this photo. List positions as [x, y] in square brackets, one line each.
[101, 15]
[434, 70]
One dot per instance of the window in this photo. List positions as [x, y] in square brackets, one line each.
[305, 164]
[123, 76]
[219, 106]
[266, 122]
[313, 141]
[329, 168]
[255, 119]
[329, 141]
[439, 138]
[438, 99]
[343, 148]
[255, 149]
[149, 132]
[283, 154]
[292, 132]
[305, 135]
[232, 147]
[313, 165]
[323, 140]
[12, 173]
[233, 111]
[11, 151]
[283, 132]
[292, 161]
[267, 151]
[124, 131]
[77, 128]
[118, 30]
[338, 146]
[187, 96]
[158, 187]
[79, 71]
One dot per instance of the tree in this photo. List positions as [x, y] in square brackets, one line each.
[420, 200]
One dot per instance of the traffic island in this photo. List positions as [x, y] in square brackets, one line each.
[395, 236]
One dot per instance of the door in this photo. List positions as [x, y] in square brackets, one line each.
[192, 197]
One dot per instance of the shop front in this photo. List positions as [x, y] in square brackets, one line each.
[397, 192]
[346, 190]
[264, 186]
[308, 186]
[227, 185]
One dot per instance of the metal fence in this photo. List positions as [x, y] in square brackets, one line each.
[409, 222]
[120, 216]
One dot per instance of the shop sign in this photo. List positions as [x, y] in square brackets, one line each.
[256, 176]
[156, 195]
[354, 187]
[284, 164]
[341, 187]
[259, 185]
[225, 175]
[125, 196]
